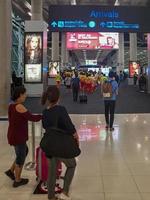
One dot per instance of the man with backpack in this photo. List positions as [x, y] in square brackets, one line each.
[110, 91]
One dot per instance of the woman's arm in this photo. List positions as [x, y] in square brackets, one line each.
[26, 114]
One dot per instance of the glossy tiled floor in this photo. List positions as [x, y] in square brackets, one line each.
[112, 166]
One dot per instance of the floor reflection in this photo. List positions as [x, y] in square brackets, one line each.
[97, 133]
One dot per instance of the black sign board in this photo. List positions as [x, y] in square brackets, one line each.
[66, 18]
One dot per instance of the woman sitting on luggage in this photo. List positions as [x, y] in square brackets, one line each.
[18, 117]
[56, 115]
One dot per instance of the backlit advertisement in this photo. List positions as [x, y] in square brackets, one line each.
[91, 62]
[33, 57]
[133, 67]
[92, 40]
[53, 69]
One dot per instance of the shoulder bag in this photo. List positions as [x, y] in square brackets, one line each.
[57, 143]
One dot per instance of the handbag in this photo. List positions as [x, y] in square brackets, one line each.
[57, 143]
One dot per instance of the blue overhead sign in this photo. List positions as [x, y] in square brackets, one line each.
[66, 18]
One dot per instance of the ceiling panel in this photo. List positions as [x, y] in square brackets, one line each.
[95, 2]
[98, 2]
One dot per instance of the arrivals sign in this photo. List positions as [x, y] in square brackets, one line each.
[92, 40]
[67, 18]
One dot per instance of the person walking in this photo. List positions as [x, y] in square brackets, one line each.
[110, 101]
[75, 87]
[135, 78]
[18, 117]
[56, 115]
[58, 79]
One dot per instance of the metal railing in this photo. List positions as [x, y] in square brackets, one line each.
[31, 165]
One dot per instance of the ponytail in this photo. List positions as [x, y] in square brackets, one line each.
[51, 95]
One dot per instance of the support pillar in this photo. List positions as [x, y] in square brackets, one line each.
[55, 46]
[133, 46]
[37, 9]
[148, 55]
[5, 54]
[64, 51]
[120, 66]
[38, 25]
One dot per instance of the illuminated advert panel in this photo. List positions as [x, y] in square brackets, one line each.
[91, 62]
[92, 40]
[133, 67]
[33, 48]
[53, 69]
[99, 18]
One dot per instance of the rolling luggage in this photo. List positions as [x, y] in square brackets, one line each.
[42, 171]
[83, 97]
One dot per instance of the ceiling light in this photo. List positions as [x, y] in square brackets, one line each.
[73, 2]
[117, 3]
[29, 13]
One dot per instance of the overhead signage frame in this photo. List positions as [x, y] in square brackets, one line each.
[88, 18]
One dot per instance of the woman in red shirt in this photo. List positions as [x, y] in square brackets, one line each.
[17, 135]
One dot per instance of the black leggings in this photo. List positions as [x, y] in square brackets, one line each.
[21, 151]
[109, 112]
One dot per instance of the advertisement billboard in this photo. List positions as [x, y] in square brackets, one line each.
[53, 69]
[134, 66]
[91, 40]
[33, 48]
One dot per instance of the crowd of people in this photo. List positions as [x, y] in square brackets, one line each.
[87, 82]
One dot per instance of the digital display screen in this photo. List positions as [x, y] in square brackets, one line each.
[53, 69]
[91, 18]
[91, 62]
[105, 70]
[33, 57]
[92, 40]
[93, 69]
[133, 67]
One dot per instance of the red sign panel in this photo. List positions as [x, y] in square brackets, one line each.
[92, 40]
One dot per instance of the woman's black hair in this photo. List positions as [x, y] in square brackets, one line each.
[52, 95]
[17, 92]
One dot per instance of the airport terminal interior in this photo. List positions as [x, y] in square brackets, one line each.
[47, 43]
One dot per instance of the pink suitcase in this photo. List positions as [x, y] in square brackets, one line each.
[42, 169]
[42, 166]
